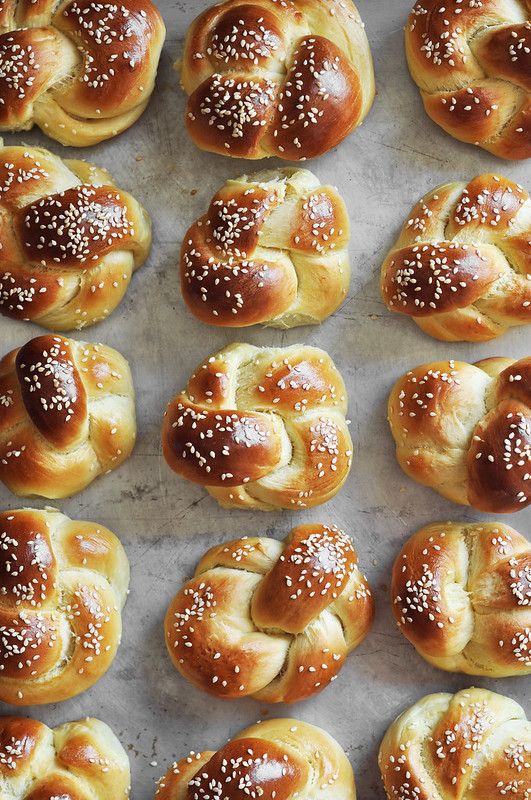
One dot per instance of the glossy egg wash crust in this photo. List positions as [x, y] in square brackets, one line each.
[474, 744]
[465, 431]
[74, 761]
[70, 241]
[280, 759]
[462, 596]
[82, 70]
[270, 619]
[67, 415]
[272, 249]
[64, 585]
[262, 428]
[461, 268]
[285, 78]
[471, 60]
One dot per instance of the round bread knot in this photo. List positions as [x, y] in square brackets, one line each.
[472, 63]
[270, 619]
[462, 264]
[71, 762]
[272, 249]
[462, 596]
[264, 78]
[69, 240]
[67, 415]
[282, 758]
[262, 428]
[82, 71]
[472, 744]
[465, 431]
[64, 585]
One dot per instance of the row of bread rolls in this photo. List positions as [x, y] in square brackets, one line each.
[474, 744]
[265, 78]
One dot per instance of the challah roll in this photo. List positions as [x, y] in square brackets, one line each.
[474, 745]
[470, 60]
[288, 79]
[63, 586]
[76, 761]
[272, 249]
[67, 415]
[262, 428]
[70, 241]
[83, 71]
[461, 267]
[465, 431]
[284, 615]
[462, 596]
[280, 758]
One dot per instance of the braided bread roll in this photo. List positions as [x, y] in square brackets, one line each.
[64, 584]
[471, 62]
[281, 758]
[81, 70]
[474, 745]
[289, 79]
[272, 249]
[76, 761]
[70, 241]
[270, 619]
[462, 596]
[67, 415]
[262, 428]
[465, 431]
[461, 267]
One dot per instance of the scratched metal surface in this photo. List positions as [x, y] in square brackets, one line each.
[165, 523]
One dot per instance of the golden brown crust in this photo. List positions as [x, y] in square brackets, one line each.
[272, 249]
[267, 78]
[268, 619]
[67, 415]
[471, 62]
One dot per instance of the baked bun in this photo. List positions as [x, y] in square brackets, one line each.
[289, 79]
[286, 615]
[67, 415]
[69, 242]
[462, 264]
[273, 248]
[462, 596]
[81, 70]
[280, 758]
[64, 584]
[471, 63]
[472, 744]
[262, 428]
[76, 761]
[465, 431]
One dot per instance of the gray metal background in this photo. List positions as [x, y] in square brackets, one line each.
[166, 523]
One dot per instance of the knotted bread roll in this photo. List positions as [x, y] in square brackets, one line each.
[76, 761]
[465, 431]
[474, 745]
[67, 415]
[70, 241]
[461, 267]
[281, 758]
[270, 619]
[471, 62]
[272, 249]
[262, 428]
[63, 586]
[83, 71]
[289, 79]
[462, 596]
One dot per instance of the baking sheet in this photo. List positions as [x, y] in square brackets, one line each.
[166, 523]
